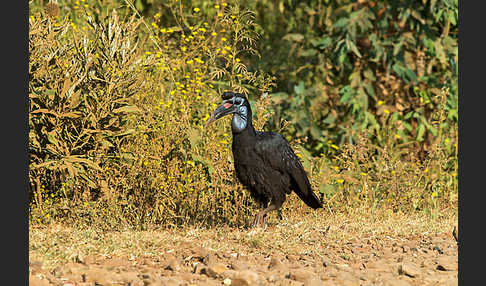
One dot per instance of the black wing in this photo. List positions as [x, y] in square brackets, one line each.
[274, 149]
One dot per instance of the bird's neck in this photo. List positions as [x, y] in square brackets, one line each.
[242, 120]
[242, 126]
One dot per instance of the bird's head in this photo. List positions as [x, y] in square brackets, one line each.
[233, 103]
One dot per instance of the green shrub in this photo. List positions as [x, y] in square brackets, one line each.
[117, 104]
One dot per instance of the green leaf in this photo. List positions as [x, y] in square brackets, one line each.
[341, 23]
[350, 44]
[293, 37]
[300, 88]
[329, 119]
[369, 75]
[308, 53]
[370, 90]
[321, 43]
[420, 132]
[315, 131]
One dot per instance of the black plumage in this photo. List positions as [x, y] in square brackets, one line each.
[264, 161]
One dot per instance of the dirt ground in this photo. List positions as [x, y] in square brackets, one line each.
[386, 252]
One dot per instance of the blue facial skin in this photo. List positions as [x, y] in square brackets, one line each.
[239, 119]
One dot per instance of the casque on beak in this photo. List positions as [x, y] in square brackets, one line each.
[224, 109]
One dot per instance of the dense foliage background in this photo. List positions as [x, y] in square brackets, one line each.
[119, 90]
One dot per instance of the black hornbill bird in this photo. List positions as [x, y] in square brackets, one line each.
[264, 162]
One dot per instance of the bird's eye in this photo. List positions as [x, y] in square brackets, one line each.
[238, 101]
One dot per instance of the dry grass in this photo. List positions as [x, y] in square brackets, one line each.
[297, 234]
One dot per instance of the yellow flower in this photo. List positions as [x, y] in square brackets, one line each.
[196, 10]
[397, 136]
[213, 34]
[380, 102]
[340, 181]
[386, 111]
[335, 146]
[224, 39]
[216, 6]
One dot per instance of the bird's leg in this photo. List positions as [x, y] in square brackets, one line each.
[260, 217]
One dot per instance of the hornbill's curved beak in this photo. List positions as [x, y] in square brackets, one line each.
[225, 108]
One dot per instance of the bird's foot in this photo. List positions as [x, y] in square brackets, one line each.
[259, 221]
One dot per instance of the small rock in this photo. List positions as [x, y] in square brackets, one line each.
[173, 265]
[436, 248]
[207, 259]
[346, 278]
[114, 263]
[408, 269]
[238, 265]
[396, 282]
[97, 275]
[342, 267]
[227, 281]
[325, 263]
[171, 281]
[34, 280]
[245, 278]
[314, 281]
[292, 258]
[301, 275]
[35, 265]
[234, 255]
[447, 263]
[215, 270]
[131, 278]
[198, 268]
[275, 263]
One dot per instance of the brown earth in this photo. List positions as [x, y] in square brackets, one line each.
[287, 253]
